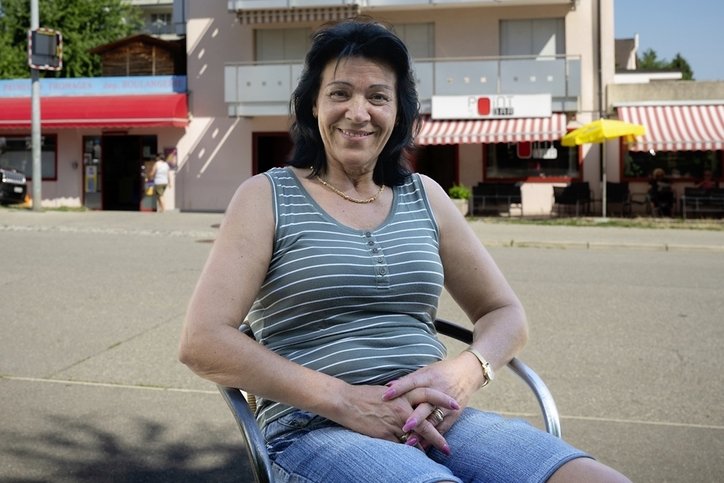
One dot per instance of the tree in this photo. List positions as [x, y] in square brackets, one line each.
[649, 61]
[679, 63]
[84, 24]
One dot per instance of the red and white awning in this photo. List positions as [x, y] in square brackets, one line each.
[479, 131]
[697, 127]
[300, 14]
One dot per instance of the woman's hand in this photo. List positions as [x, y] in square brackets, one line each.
[446, 377]
[367, 411]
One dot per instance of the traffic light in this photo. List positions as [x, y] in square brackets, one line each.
[45, 49]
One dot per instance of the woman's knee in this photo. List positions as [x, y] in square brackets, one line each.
[588, 470]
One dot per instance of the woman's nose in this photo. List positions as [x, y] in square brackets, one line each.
[357, 110]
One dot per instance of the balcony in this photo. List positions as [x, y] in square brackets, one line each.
[239, 5]
[263, 89]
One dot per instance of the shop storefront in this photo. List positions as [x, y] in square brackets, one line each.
[683, 139]
[511, 139]
[98, 136]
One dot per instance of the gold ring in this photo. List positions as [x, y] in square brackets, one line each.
[436, 416]
[403, 438]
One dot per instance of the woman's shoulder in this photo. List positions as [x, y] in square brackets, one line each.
[251, 203]
[432, 187]
[253, 189]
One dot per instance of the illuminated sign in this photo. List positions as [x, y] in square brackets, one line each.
[499, 106]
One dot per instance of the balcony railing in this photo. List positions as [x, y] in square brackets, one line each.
[263, 89]
[236, 5]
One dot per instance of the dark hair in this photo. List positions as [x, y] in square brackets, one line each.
[358, 37]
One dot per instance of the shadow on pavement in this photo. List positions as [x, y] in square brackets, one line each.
[72, 450]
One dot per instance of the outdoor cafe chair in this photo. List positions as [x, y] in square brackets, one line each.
[618, 195]
[243, 405]
[576, 195]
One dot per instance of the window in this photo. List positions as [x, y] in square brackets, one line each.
[419, 38]
[282, 44]
[676, 164]
[531, 160]
[17, 154]
[160, 23]
[541, 37]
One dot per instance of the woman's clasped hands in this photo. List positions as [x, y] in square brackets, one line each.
[436, 397]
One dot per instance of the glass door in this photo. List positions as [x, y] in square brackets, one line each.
[92, 173]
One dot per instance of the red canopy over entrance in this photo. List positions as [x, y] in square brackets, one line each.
[97, 111]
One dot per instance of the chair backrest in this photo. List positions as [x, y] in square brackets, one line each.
[484, 189]
[239, 403]
[559, 195]
[581, 190]
[617, 192]
[511, 191]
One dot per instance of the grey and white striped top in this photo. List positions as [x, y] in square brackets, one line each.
[358, 305]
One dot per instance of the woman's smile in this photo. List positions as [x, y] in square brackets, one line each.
[354, 134]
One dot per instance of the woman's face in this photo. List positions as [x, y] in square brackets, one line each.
[356, 111]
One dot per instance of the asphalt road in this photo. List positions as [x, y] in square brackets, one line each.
[626, 329]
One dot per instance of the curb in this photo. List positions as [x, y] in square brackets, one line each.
[585, 245]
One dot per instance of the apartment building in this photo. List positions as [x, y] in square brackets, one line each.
[499, 82]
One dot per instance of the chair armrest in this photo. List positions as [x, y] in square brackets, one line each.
[256, 448]
[547, 405]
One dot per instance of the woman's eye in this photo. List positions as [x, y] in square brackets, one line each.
[379, 99]
[338, 95]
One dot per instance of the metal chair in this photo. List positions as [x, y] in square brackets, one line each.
[576, 195]
[243, 407]
[618, 195]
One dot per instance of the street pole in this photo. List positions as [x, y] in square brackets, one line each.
[603, 181]
[35, 118]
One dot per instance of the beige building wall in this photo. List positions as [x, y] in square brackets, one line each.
[215, 155]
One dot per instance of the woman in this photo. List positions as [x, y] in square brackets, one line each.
[160, 175]
[337, 262]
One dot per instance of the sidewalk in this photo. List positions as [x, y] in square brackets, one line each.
[204, 225]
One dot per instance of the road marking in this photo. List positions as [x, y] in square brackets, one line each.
[614, 420]
[107, 384]
[504, 413]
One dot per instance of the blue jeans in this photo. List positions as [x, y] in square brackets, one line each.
[485, 448]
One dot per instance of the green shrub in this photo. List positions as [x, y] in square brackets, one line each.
[459, 191]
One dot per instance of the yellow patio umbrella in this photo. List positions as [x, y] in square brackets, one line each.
[600, 131]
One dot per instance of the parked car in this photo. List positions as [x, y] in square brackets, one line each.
[13, 186]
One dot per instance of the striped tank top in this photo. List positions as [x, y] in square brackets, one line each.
[355, 304]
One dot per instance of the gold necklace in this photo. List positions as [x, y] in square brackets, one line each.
[349, 198]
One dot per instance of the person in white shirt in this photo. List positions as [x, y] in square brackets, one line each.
[161, 180]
